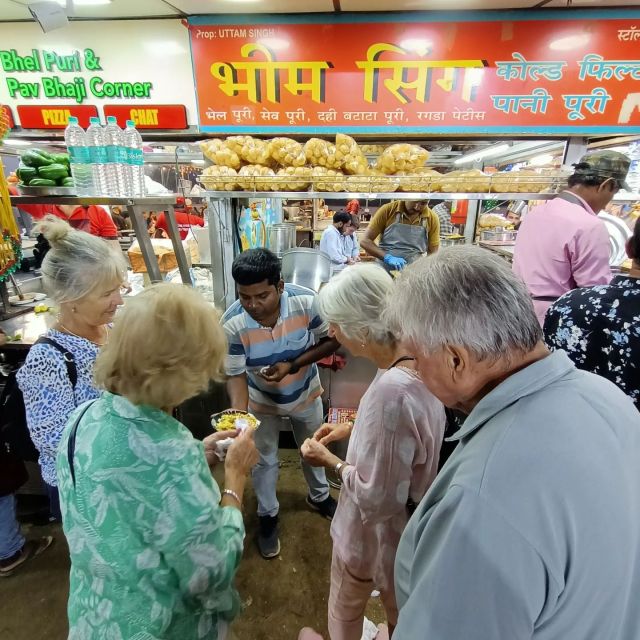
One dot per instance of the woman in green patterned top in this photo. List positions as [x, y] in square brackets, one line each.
[154, 548]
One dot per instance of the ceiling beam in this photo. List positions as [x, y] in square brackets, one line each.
[178, 11]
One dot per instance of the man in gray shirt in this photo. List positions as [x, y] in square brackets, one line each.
[532, 528]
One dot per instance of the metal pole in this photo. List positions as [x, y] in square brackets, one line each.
[174, 234]
[575, 149]
[142, 235]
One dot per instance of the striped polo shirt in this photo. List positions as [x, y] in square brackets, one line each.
[252, 347]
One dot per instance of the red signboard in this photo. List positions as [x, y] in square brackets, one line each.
[54, 116]
[544, 73]
[165, 116]
[7, 111]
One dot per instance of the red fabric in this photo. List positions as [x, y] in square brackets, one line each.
[184, 220]
[353, 206]
[92, 219]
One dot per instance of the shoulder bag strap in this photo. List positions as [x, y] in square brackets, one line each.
[69, 360]
[71, 443]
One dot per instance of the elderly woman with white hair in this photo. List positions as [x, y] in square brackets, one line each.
[392, 456]
[531, 530]
[84, 276]
[154, 543]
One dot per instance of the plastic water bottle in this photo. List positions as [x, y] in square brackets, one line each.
[79, 158]
[98, 155]
[135, 161]
[116, 159]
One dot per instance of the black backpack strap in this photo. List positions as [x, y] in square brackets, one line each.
[71, 442]
[69, 360]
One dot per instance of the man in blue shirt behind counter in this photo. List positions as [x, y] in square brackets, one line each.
[338, 243]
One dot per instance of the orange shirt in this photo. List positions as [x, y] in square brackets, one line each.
[92, 219]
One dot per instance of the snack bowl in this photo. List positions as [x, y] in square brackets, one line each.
[231, 419]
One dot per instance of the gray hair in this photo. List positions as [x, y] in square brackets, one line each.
[465, 296]
[77, 262]
[354, 300]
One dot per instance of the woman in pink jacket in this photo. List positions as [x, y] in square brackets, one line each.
[392, 457]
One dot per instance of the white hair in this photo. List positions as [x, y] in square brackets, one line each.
[464, 296]
[354, 300]
[77, 262]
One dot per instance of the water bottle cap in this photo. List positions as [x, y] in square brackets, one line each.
[112, 120]
[94, 120]
[131, 123]
[72, 120]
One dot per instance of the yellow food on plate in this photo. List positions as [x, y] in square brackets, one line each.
[235, 420]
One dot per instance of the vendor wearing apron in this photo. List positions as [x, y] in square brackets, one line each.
[408, 230]
[562, 244]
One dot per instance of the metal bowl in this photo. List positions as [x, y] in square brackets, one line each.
[26, 190]
[498, 237]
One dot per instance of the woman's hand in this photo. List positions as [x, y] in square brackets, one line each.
[242, 455]
[210, 444]
[317, 455]
[332, 433]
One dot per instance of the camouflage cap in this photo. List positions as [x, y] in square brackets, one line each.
[605, 164]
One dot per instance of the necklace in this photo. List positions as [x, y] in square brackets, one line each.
[99, 344]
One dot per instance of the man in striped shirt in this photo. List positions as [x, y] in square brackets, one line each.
[275, 337]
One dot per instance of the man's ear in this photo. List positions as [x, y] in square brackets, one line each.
[280, 287]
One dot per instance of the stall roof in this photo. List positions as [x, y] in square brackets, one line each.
[122, 9]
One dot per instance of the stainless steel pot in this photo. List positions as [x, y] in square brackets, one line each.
[307, 267]
[281, 237]
[498, 236]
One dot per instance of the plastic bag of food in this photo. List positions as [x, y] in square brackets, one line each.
[250, 149]
[372, 149]
[219, 178]
[327, 179]
[320, 153]
[288, 152]
[466, 181]
[293, 179]
[420, 180]
[529, 181]
[401, 157]
[350, 156]
[220, 153]
[381, 183]
[253, 177]
[491, 221]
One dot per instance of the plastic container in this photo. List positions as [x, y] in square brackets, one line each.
[79, 158]
[98, 155]
[116, 159]
[135, 161]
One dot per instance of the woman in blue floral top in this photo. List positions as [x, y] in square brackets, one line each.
[599, 327]
[154, 548]
[83, 275]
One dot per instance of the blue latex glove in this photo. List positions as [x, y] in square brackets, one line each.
[395, 263]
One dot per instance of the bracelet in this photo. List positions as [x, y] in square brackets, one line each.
[338, 468]
[234, 495]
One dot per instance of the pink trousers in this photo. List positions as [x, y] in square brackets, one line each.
[348, 599]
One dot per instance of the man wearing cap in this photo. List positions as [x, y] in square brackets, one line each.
[562, 244]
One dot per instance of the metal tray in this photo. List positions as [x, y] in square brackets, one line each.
[26, 190]
[498, 237]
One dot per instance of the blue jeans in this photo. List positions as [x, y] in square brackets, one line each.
[265, 473]
[11, 540]
[54, 501]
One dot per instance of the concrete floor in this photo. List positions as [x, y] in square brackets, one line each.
[280, 596]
